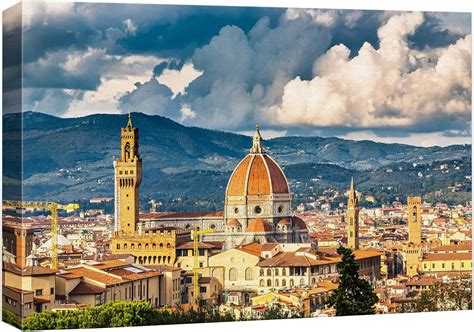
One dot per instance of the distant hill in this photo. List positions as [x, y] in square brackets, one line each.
[72, 158]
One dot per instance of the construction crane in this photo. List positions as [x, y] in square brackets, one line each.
[196, 234]
[53, 207]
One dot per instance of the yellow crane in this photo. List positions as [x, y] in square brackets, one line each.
[196, 234]
[53, 207]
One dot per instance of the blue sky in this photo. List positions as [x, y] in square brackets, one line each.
[385, 76]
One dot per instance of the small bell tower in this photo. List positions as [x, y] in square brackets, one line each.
[352, 219]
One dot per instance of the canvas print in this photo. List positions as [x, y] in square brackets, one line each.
[172, 164]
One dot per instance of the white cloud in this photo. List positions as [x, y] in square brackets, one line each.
[119, 77]
[186, 113]
[326, 18]
[130, 27]
[391, 86]
[41, 10]
[179, 80]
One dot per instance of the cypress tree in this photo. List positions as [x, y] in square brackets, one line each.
[354, 296]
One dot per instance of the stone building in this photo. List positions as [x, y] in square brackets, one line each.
[152, 245]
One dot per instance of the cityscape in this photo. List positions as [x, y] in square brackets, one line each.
[168, 164]
[256, 255]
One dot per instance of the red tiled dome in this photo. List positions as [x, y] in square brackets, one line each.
[257, 174]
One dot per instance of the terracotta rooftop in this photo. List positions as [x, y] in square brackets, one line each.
[108, 264]
[448, 256]
[268, 246]
[28, 271]
[204, 280]
[424, 281]
[17, 290]
[361, 254]
[252, 248]
[84, 288]
[128, 275]
[101, 277]
[464, 246]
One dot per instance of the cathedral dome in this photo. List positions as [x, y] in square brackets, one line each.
[258, 225]
[257, 174]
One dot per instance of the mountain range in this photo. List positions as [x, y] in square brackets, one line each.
[71, 158]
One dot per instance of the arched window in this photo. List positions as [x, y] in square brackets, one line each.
[269, 272]
[233, 274]
[147, 246]
[283, 272]
[139, 246]
[118, 246]
[269, 282]
[132, 246]
[262, 273]
[154, 246]
[301, 281]
[292, 283]
[283, 283]
[262, 283]
[277, 284]
[161, 245]
[276, 272]
[313, 281]
[248, 274]
[124, 246]
[168, 245]
[127, 151]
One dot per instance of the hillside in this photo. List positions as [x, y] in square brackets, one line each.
[72, 158]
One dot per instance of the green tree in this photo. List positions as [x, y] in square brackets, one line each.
[119, 314]
[354, 296]
[9, 318]
[443, 296]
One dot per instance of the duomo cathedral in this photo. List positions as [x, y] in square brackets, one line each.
[257, 204]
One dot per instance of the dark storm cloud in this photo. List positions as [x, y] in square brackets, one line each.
[247, 57]
[432, 33]
[152, 98]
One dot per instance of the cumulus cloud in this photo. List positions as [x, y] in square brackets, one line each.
[392, 86]
[179, 79]
[300, 71]
[244, 72]
[85, 82]
[151, 97]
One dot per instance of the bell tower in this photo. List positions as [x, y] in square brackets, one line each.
[414, 219]
[128, 176]
[352, 219]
